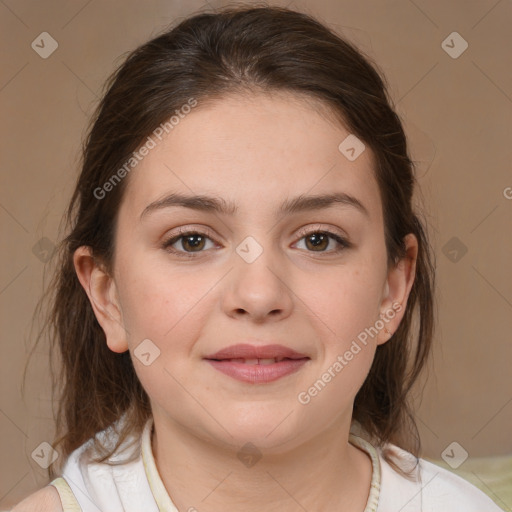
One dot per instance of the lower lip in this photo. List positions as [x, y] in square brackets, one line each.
[258, 373]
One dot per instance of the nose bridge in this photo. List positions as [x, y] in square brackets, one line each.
[257, 284]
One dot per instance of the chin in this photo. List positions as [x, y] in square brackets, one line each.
[266, 431]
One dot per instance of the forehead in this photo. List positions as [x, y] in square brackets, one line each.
[252, 150]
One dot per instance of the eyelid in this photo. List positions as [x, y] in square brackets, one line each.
[191, 229]
[309, 228]
[305, 230]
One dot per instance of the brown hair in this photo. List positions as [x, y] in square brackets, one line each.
[208, 55]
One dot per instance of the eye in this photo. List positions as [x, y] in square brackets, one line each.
[319, 240]
[190, 241]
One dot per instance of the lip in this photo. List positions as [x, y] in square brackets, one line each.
[257, 373]
[247, 351]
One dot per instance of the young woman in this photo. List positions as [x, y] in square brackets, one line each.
[245, 295]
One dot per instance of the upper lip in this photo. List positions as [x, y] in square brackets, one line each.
[247, 351]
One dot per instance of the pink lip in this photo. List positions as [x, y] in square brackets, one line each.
[257, 373]
[246, 351]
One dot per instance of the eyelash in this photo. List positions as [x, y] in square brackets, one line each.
[182, 232]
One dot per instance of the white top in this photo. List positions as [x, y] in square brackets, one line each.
[136, 486]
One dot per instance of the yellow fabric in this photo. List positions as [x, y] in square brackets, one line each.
[492, 475]
[373, 498]
[67, 498]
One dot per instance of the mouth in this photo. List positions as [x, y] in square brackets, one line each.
[266, 361]
[257, 364]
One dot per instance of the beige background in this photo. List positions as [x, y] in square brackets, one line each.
[457, 113]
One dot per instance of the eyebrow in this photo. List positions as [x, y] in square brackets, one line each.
[219, 205]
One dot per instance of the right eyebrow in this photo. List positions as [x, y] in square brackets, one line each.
[197, 202]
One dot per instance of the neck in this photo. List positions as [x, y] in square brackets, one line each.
[325, 473]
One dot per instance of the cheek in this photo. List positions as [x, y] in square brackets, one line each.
[165, 308]
[157, 302]
[346, 301]
[344, 314]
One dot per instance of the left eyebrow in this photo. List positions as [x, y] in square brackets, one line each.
[216, 204]
[307, 203]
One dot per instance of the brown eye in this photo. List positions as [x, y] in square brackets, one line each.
[318, 241]
[193, 242]
[187, 243]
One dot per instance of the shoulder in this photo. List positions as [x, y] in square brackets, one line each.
[46, 499]
[433, 489]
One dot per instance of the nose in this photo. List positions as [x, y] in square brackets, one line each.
[259, 290]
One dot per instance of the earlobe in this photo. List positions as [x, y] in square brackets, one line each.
[101, 290]
[397, 288]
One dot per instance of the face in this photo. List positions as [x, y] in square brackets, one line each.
[194, 281]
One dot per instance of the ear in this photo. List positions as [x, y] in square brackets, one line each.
[102, 292]
[397, 288]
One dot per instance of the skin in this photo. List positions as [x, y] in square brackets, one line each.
[256, 151]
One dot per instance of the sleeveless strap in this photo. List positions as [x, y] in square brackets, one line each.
[67, 498]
